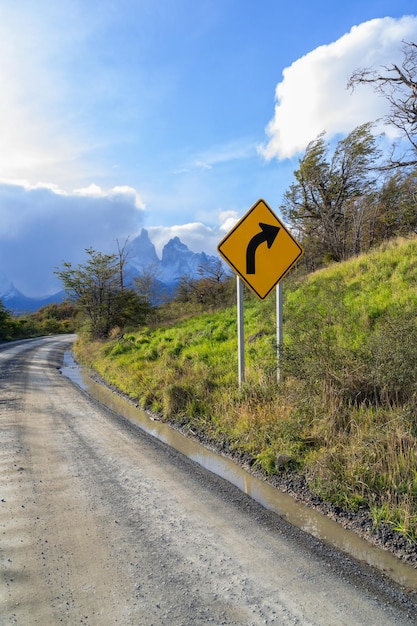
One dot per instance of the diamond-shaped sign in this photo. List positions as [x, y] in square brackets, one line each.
[260, 249]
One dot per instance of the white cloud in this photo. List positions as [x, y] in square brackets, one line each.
[312, 97]
[219, 154]
[227, 220]
[196, 236]
[120, 192]
[40, 227]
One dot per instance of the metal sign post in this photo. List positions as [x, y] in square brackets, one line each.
[279, 329]
[240, 331]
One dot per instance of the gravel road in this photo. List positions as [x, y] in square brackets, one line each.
[101, 524]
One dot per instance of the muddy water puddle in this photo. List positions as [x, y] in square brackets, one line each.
[295, 513]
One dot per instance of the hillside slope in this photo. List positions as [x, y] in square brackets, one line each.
[342, 422]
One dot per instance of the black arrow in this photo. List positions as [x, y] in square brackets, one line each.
[268, 234]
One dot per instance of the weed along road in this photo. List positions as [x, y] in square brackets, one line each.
[101, 524]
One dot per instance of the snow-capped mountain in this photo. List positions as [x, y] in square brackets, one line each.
[17, 302]
[7, 289]
[177, 261]
[141, 252]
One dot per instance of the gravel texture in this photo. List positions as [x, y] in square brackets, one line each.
[102, 524]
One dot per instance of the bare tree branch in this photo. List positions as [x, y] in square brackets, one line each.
[398, 85]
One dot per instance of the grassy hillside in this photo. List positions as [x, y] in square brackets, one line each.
[345, 411]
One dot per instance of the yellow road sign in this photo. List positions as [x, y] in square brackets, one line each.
[260, 249]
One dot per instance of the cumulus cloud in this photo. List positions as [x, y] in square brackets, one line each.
[122, 193]
[42, 226]
[227, 220]
[312, 97]
[195, 235]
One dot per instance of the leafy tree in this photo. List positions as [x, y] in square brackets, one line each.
[398, 84]
[184, 289]
[55, 318]
[322, 205]
[58, 311]
[6, 322]
[213, 286]
[147, 284]
[214, 270]
[98, 289]
[211, 290]
[396, 206]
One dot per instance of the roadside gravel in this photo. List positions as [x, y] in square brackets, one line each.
[296, 486]
[101, 524]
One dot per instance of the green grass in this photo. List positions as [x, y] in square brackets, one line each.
[345, 411]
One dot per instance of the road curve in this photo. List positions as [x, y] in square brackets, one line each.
[101, 524]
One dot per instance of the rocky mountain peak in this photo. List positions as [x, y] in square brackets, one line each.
[141, 251]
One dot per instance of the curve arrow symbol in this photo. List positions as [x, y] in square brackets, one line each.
[268, 233]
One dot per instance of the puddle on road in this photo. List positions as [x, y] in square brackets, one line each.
[295, 513]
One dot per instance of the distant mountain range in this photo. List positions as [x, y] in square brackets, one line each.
[17, 302]
[177, 261]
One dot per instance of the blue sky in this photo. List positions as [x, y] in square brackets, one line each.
[173, 115]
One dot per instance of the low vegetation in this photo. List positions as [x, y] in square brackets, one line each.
[52, 319]
[344, 413]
